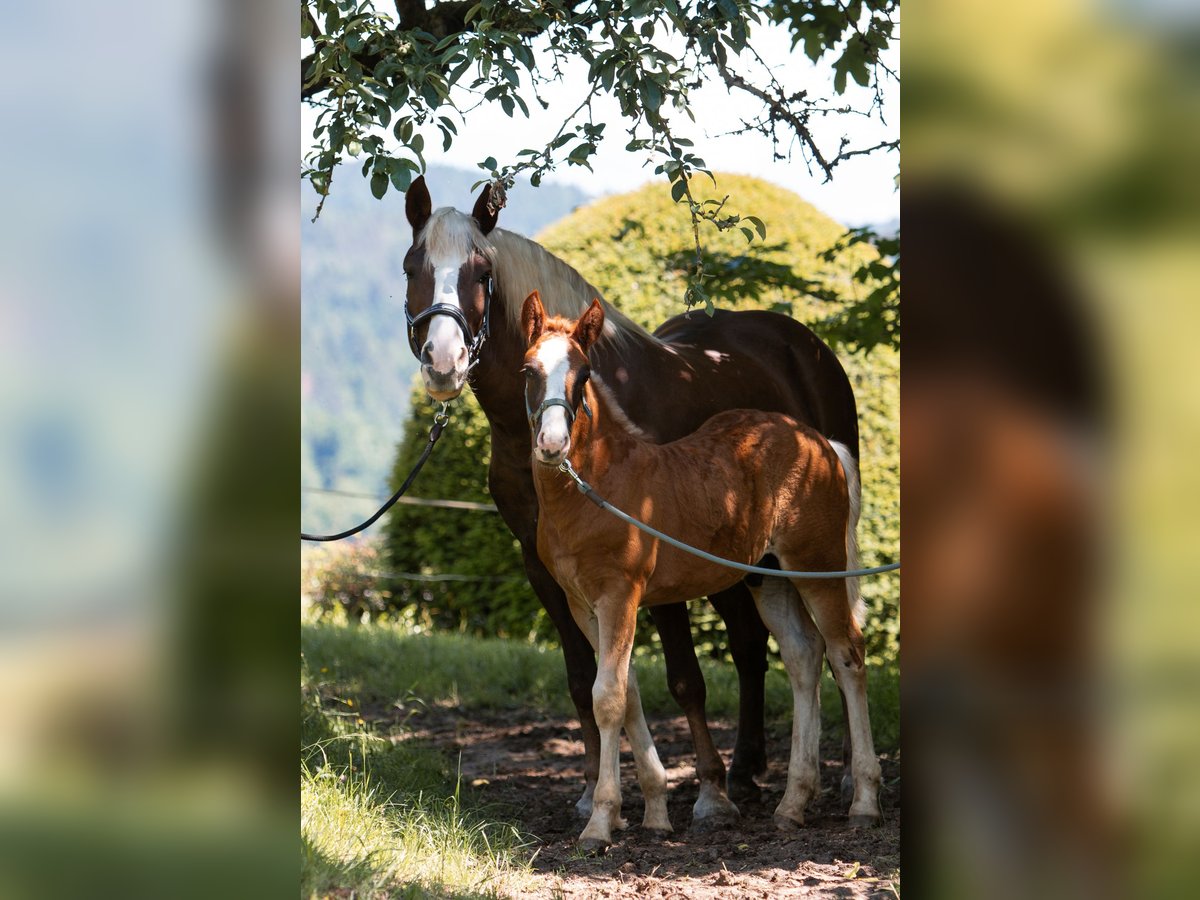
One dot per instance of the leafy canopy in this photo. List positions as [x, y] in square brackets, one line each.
[371, 68]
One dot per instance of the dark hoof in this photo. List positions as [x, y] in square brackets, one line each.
[783, 823]
[847, 790]
[864, 821]
[743, 790]
[592, 847]
[715, 822]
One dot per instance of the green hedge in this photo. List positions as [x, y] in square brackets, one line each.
[635, 247]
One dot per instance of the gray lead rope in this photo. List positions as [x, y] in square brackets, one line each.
[587, 491]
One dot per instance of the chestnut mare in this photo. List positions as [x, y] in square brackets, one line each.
[745, 484]
[466, 282]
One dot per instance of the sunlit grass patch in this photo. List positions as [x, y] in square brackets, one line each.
[356, 838]
[384, 819]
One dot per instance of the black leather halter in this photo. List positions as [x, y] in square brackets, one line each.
[474, 341]
[535, 416]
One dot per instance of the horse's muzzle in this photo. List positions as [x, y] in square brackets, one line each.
[443, 386]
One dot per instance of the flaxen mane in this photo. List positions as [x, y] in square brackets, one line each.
[521, 266]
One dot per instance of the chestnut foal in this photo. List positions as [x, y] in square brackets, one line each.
[746, 484]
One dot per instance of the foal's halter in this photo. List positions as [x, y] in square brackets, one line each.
[535, 416]
[474, 341]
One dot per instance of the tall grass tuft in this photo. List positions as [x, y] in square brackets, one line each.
[383, 819]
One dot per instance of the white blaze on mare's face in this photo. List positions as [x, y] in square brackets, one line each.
[554, 435]
[447, 338]
[448, 242]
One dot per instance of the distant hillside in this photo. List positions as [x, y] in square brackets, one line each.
[357, 369]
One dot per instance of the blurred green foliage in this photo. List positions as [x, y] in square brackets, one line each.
[634, 247]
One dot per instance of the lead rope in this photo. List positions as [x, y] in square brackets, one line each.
[587, 491]
[439, 423]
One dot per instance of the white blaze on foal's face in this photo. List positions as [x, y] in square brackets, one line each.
[554, 431]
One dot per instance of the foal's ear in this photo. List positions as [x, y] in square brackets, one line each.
[487, 208]
[417, 204]
[533, 318]
[590, 326]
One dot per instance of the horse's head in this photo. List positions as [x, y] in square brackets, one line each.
[556, 371]
[449, 272]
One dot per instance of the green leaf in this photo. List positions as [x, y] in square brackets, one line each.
[401, 178]
[651, 96]
[758, 225]
[379, 184]
[678, 190]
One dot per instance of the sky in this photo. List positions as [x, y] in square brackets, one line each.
[862, 191]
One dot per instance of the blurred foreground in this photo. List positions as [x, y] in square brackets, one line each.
[1049, 399]
[148, 406]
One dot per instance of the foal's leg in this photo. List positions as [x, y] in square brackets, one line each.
[615, 614]
[651, 775]
[581, 669]
[713, 808]
[829, 604]
[748, 646]
[801, 646]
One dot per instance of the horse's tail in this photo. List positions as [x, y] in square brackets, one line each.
[854, 489]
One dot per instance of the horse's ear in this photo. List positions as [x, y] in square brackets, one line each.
[590, 326]
[486, 213]
[418, 205]
[533, 318]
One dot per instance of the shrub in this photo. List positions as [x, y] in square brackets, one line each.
[343, 577]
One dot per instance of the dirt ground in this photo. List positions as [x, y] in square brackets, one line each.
[532, 771]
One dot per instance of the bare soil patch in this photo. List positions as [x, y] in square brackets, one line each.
[530, 770]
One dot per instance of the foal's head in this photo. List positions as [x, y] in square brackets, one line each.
[449, 270]
[556, 370]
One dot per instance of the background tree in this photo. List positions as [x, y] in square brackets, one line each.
[369, 69]
[636, 253]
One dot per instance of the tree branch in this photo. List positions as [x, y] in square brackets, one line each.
[779, 110]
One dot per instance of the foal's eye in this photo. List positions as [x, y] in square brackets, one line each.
[483, 279]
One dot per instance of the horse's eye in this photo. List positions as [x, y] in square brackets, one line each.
[408, 273]
[483, 279]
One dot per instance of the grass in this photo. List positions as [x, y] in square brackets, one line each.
[384, 663]
[384, 818]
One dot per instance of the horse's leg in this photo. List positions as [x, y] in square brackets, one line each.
[748, 646]
[651, 775]
[829, 604]
[847, 749]
[581, 670]
[713, 808]
[614, 615]
[801, 646]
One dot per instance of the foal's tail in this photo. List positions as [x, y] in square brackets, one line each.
[854, 489]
